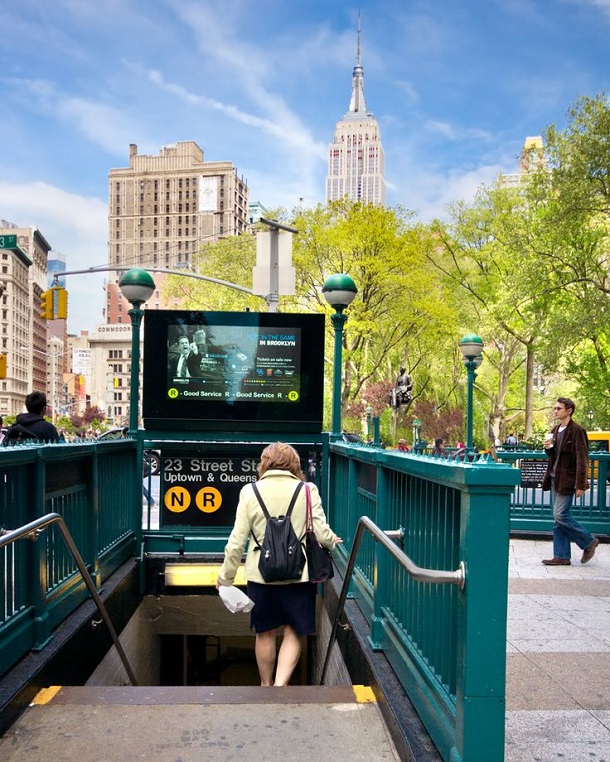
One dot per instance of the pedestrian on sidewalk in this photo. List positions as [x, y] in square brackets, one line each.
[567, 448]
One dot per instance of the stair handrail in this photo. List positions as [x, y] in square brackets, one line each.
[438, 576]
[31, 531]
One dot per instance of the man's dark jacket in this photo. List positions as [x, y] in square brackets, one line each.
[44, 430]
[572, 459]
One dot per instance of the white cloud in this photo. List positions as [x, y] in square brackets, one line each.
[290, 132]
[429, 191]
[103, 124]
[72, 224]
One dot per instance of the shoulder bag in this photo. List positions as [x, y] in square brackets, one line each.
[319, 560]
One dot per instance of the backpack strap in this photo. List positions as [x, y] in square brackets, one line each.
[264, 507]
[260, 500]
[18, 428]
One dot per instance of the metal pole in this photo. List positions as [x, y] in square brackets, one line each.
[53, 387]
[274, 282]
[471, 367]
[136, 319]
[338, 320]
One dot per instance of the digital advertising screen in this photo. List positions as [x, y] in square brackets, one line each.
[208, 370]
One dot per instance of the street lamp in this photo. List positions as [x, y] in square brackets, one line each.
[339, 291]
[471, 347]
[137, 286]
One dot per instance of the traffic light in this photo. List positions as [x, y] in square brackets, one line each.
[62, 302]
[2, 366]
[46, 304]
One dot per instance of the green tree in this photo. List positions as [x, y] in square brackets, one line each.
[230, 259]
[401, 315]
[481, 254]
[572, 241]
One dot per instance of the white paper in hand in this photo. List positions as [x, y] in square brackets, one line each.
[234, 599]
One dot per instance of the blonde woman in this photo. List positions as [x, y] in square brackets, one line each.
[276, 604]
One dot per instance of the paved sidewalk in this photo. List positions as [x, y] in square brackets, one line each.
[558, 656]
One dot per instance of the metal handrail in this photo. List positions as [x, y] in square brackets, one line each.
[32, 531]
[457, 577]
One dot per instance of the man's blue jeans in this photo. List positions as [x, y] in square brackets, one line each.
[566, 529]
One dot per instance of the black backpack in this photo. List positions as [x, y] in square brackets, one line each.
[282, 558]
[17, 434]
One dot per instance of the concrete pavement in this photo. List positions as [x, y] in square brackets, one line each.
[558, 656]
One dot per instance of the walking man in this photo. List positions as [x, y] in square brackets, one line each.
[567, 448]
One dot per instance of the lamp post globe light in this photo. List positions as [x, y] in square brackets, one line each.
[471, 347]
[137, 286]
[339, 291]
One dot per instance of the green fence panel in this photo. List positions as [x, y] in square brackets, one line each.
[448, 647]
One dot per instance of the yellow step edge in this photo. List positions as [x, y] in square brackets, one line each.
[45, 695]
[364, 694]
[198, 575]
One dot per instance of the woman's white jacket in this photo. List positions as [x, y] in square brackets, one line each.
[276, 488]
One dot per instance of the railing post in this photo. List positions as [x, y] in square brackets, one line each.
[481, 630]
[382, 565]
[39, 576]
[93, 551]
[602, 475]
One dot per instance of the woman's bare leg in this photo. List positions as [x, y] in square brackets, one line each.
[287, 659]
[265, 650]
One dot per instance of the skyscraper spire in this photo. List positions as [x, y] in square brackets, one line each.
[355, 157]
[357, 104]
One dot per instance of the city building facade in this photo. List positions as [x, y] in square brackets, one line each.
[355, 157]
[24, 334]
[532, 158]
[161, 209]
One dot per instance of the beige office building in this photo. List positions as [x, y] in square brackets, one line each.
[162, 209]
[23, 333]
[355, 157]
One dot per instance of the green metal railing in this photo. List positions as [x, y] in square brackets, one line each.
[93, 488]
[447, 646]
[531, 509]
[33, 531]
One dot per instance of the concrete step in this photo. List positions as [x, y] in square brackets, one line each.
[191, 724]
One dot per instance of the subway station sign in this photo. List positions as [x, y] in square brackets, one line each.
[203, 491]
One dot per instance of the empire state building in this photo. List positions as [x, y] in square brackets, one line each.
[355, 157]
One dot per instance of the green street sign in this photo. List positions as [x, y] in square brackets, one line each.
[8, 241]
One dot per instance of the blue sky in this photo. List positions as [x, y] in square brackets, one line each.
[455, 85]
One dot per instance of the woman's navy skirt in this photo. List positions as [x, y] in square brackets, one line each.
[277, 605]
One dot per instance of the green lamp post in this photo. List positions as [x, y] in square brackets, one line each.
[339, 291]
[471, 347]
[137, 286]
